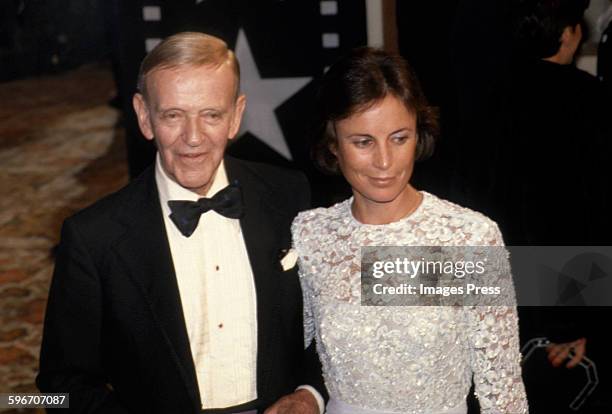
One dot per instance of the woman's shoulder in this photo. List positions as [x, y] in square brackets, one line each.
[451, 209]
[459, 218]
[318, 223]
[321, 215]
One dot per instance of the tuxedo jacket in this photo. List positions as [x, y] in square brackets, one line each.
[115, 335]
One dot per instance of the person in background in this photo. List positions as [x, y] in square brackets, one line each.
[554, 156]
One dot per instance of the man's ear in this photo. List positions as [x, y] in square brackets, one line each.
[568, 31]
[143, 116]
[237, 117]
[571, 36]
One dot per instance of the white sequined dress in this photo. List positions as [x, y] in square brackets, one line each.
[409, 359]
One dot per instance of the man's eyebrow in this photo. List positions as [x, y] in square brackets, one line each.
[174, 108]
[166, 109]
[214, 108]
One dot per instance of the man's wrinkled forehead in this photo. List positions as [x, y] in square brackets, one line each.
[152, 82]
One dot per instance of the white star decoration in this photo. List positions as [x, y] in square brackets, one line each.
[263, 97]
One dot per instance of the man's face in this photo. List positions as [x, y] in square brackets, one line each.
[191, 112]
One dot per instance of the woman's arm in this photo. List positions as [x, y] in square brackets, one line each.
[494, 340]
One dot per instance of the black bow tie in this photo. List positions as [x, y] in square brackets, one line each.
[186, 214]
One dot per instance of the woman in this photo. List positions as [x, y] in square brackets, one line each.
[376, 123]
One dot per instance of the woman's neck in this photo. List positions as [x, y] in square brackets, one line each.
[371, 212]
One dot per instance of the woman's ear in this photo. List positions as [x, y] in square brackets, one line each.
[333, 147]
[332, 137]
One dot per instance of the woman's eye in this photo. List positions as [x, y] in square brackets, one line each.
[400, 139]
[362, 143]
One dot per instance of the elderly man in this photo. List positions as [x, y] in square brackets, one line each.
[178, 293]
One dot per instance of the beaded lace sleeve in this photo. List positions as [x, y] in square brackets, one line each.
[300, 233]
[494, 341]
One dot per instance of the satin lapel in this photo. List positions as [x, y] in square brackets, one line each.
[146, 253]
[259, 230]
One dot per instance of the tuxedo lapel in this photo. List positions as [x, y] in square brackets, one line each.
[258, 225]
[145, 251]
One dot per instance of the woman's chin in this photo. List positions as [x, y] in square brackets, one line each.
[384, 196]
[380, 197]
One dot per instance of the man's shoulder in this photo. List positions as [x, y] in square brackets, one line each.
[103, 210]
[284, 189]
[272, 175]
[583, 80]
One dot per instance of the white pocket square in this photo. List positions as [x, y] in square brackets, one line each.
[289, 260]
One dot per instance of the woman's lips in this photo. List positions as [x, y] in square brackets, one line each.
[382, 181]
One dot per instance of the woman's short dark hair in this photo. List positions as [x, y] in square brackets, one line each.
[539, 24]
[355, 83]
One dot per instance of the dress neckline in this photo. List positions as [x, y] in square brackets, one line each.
[415, 213]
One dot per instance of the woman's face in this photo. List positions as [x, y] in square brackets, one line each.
[376, 149]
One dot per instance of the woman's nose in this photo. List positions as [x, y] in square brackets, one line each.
[382, 157]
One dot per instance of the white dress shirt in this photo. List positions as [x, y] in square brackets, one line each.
[218, 297]
[217, 291]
